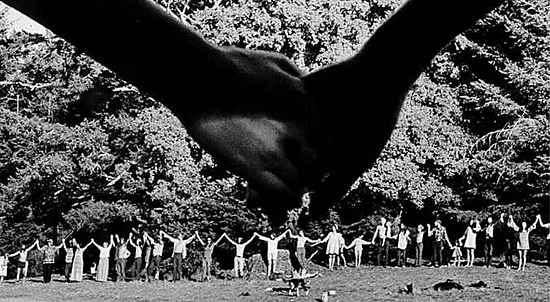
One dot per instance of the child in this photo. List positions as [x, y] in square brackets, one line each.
[3, 265]
[457, 254]
[93, 270]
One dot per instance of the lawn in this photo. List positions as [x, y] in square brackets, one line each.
[364, 284]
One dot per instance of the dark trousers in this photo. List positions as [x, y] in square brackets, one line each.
[508, 251]
[136, 268]
[383, 252]
[120, 267]
[418, 253]
[548, 251]
[177, 271]
[47, 268]
[68, 269]
[401, 257]
[437, 257]
[154, 266]
[488, 249]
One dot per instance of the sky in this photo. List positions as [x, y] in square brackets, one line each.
[19, 22]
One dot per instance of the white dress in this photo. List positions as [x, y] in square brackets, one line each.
[470, 242]
[3, 266]
[333, 243]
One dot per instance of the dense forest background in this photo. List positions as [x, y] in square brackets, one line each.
[473, 138]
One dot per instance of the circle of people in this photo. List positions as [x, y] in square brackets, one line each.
[148, 251]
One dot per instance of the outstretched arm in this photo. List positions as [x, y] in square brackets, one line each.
[251, 239]
[196, 235]
[218, 240]
[544, 225]
[229, 239]
[87, 245]
[35, 244]
[533, 226]
[263, 238]
[278, 238]
[138, 40]
[96, 245]
[379, 76]
[13, 255]
[164, 235]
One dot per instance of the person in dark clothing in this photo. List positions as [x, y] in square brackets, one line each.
[439, 234]
[489, 236]
[509, 236]
[547, 226]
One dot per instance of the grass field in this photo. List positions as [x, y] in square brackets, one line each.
[364, 284]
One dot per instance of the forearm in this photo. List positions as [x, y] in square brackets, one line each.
[136, 39]
[417, 30]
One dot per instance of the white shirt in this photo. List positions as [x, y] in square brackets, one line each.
[157, 249]
[23, 256]
[104, 252]
[490, 230]
[381, 231]
[138, 252]
[420, 237]
[240, 249]
[180, 246]
[402, 240]
[272, 245]
[301, 242]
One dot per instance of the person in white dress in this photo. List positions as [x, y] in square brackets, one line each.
[469, 239]
[104, 255]
[78, 261]
[333, 241]
[523, 239]
[272, 250]
[357, 244]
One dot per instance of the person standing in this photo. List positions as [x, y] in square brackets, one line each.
[207, 255]
[523, 240]
[546, 226]
[439, 234]
[357, 244]
[488, 246]
[22, 263]
[301, 241]
[48, 259]
[470, 238]
[403, 239]
[104, 255]
[69, 255]
[419, 248]
[238, 261]
[272, 250]
[138, 250]
[179, 253]
[509, 236]
[3, 265]
[148, 249]
[333, 246]
[379, 240]
[78, 261]
[122, 255]
[157, 250]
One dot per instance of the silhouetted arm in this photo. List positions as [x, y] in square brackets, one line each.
[378, 77]
[139, 41]
[251, 239]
